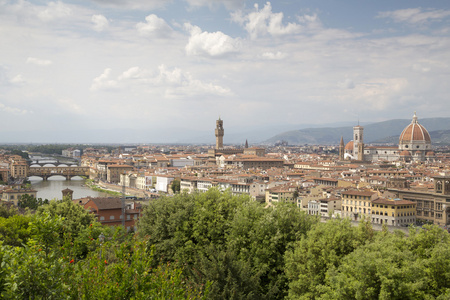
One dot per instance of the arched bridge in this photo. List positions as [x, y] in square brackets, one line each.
[68, 172]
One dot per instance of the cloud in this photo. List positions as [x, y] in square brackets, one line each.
[104, 82]
[100, 22]
[154, 26]
[378, 94]
[229, 4]
[134, 4]
[54, 10]
[172, 82]
[347, 84]
[213, 44]
[263, 22]
[18, 79]
[13, 110]
[39, 62]
[273, 55]
[415, 15]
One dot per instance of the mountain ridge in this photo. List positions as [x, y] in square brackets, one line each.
[380, 132]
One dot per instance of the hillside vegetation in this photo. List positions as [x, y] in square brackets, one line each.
[381, 132]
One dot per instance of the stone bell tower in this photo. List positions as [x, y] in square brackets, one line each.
[358, 142]
[219, 134]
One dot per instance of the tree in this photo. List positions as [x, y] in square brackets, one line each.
[323, 247]
[7, 211]
[75, 217]
[15, 231]
[28, 201]
[394, 266]
[175, 186]
[232, 242]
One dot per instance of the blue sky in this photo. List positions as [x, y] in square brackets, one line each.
[153, 65]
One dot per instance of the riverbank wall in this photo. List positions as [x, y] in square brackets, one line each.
[128, 191]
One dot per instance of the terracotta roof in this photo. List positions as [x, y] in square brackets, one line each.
[349, 146]
[392, 202]
[414, 132]
[106, 203]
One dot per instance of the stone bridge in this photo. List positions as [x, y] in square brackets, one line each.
[68, 172]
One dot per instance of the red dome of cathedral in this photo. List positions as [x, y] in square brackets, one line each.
[349, 146]
[414, 132]
[405, 153]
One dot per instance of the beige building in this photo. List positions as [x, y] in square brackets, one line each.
[19, 169]
[14, 194]
[282, 193]
[432, 206]
[357, 205]
[394, 212]
[114, 171]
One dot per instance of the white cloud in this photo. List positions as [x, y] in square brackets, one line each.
[104, 82]
[183, 84]
[100, 22]
[378, 94]
[273, 55]
[212, 44]
[347, 84]
[13, 110]
[54, 10]
[132, 73]
[171, 83]
[415, 15]
[39, 62]
[154, 26]
[229, 4]
[263, 22]
[18, 79]
[134, 4]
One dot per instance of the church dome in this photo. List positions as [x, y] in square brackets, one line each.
[349, 146]
[405, 153]
[414, 132]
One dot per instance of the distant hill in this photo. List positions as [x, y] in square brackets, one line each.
[381, 132]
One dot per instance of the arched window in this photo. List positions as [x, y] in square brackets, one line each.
[439, 186]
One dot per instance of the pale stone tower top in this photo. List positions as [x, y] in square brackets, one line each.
[219, 134]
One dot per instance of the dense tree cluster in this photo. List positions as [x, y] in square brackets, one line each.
[216, 245]
[56, 254]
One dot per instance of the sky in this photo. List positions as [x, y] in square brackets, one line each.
[74, 69]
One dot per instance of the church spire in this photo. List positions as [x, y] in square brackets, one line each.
[246, 144]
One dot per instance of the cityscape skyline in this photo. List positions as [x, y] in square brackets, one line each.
[165, 65]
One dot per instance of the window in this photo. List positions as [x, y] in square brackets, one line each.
[102, 218]
[128, 217]
[111, 217]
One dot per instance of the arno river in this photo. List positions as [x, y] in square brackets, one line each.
[51, 188]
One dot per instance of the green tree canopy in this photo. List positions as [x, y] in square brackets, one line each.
[75, 217]
[28, 201]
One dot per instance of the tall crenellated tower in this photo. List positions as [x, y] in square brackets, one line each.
[341, 149]
[219, 134]
[358, 142]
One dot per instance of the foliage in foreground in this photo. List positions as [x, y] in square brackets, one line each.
[53, 262]
[216, 246]
[232, 242]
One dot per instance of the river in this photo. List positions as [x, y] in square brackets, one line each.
[51, 188]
